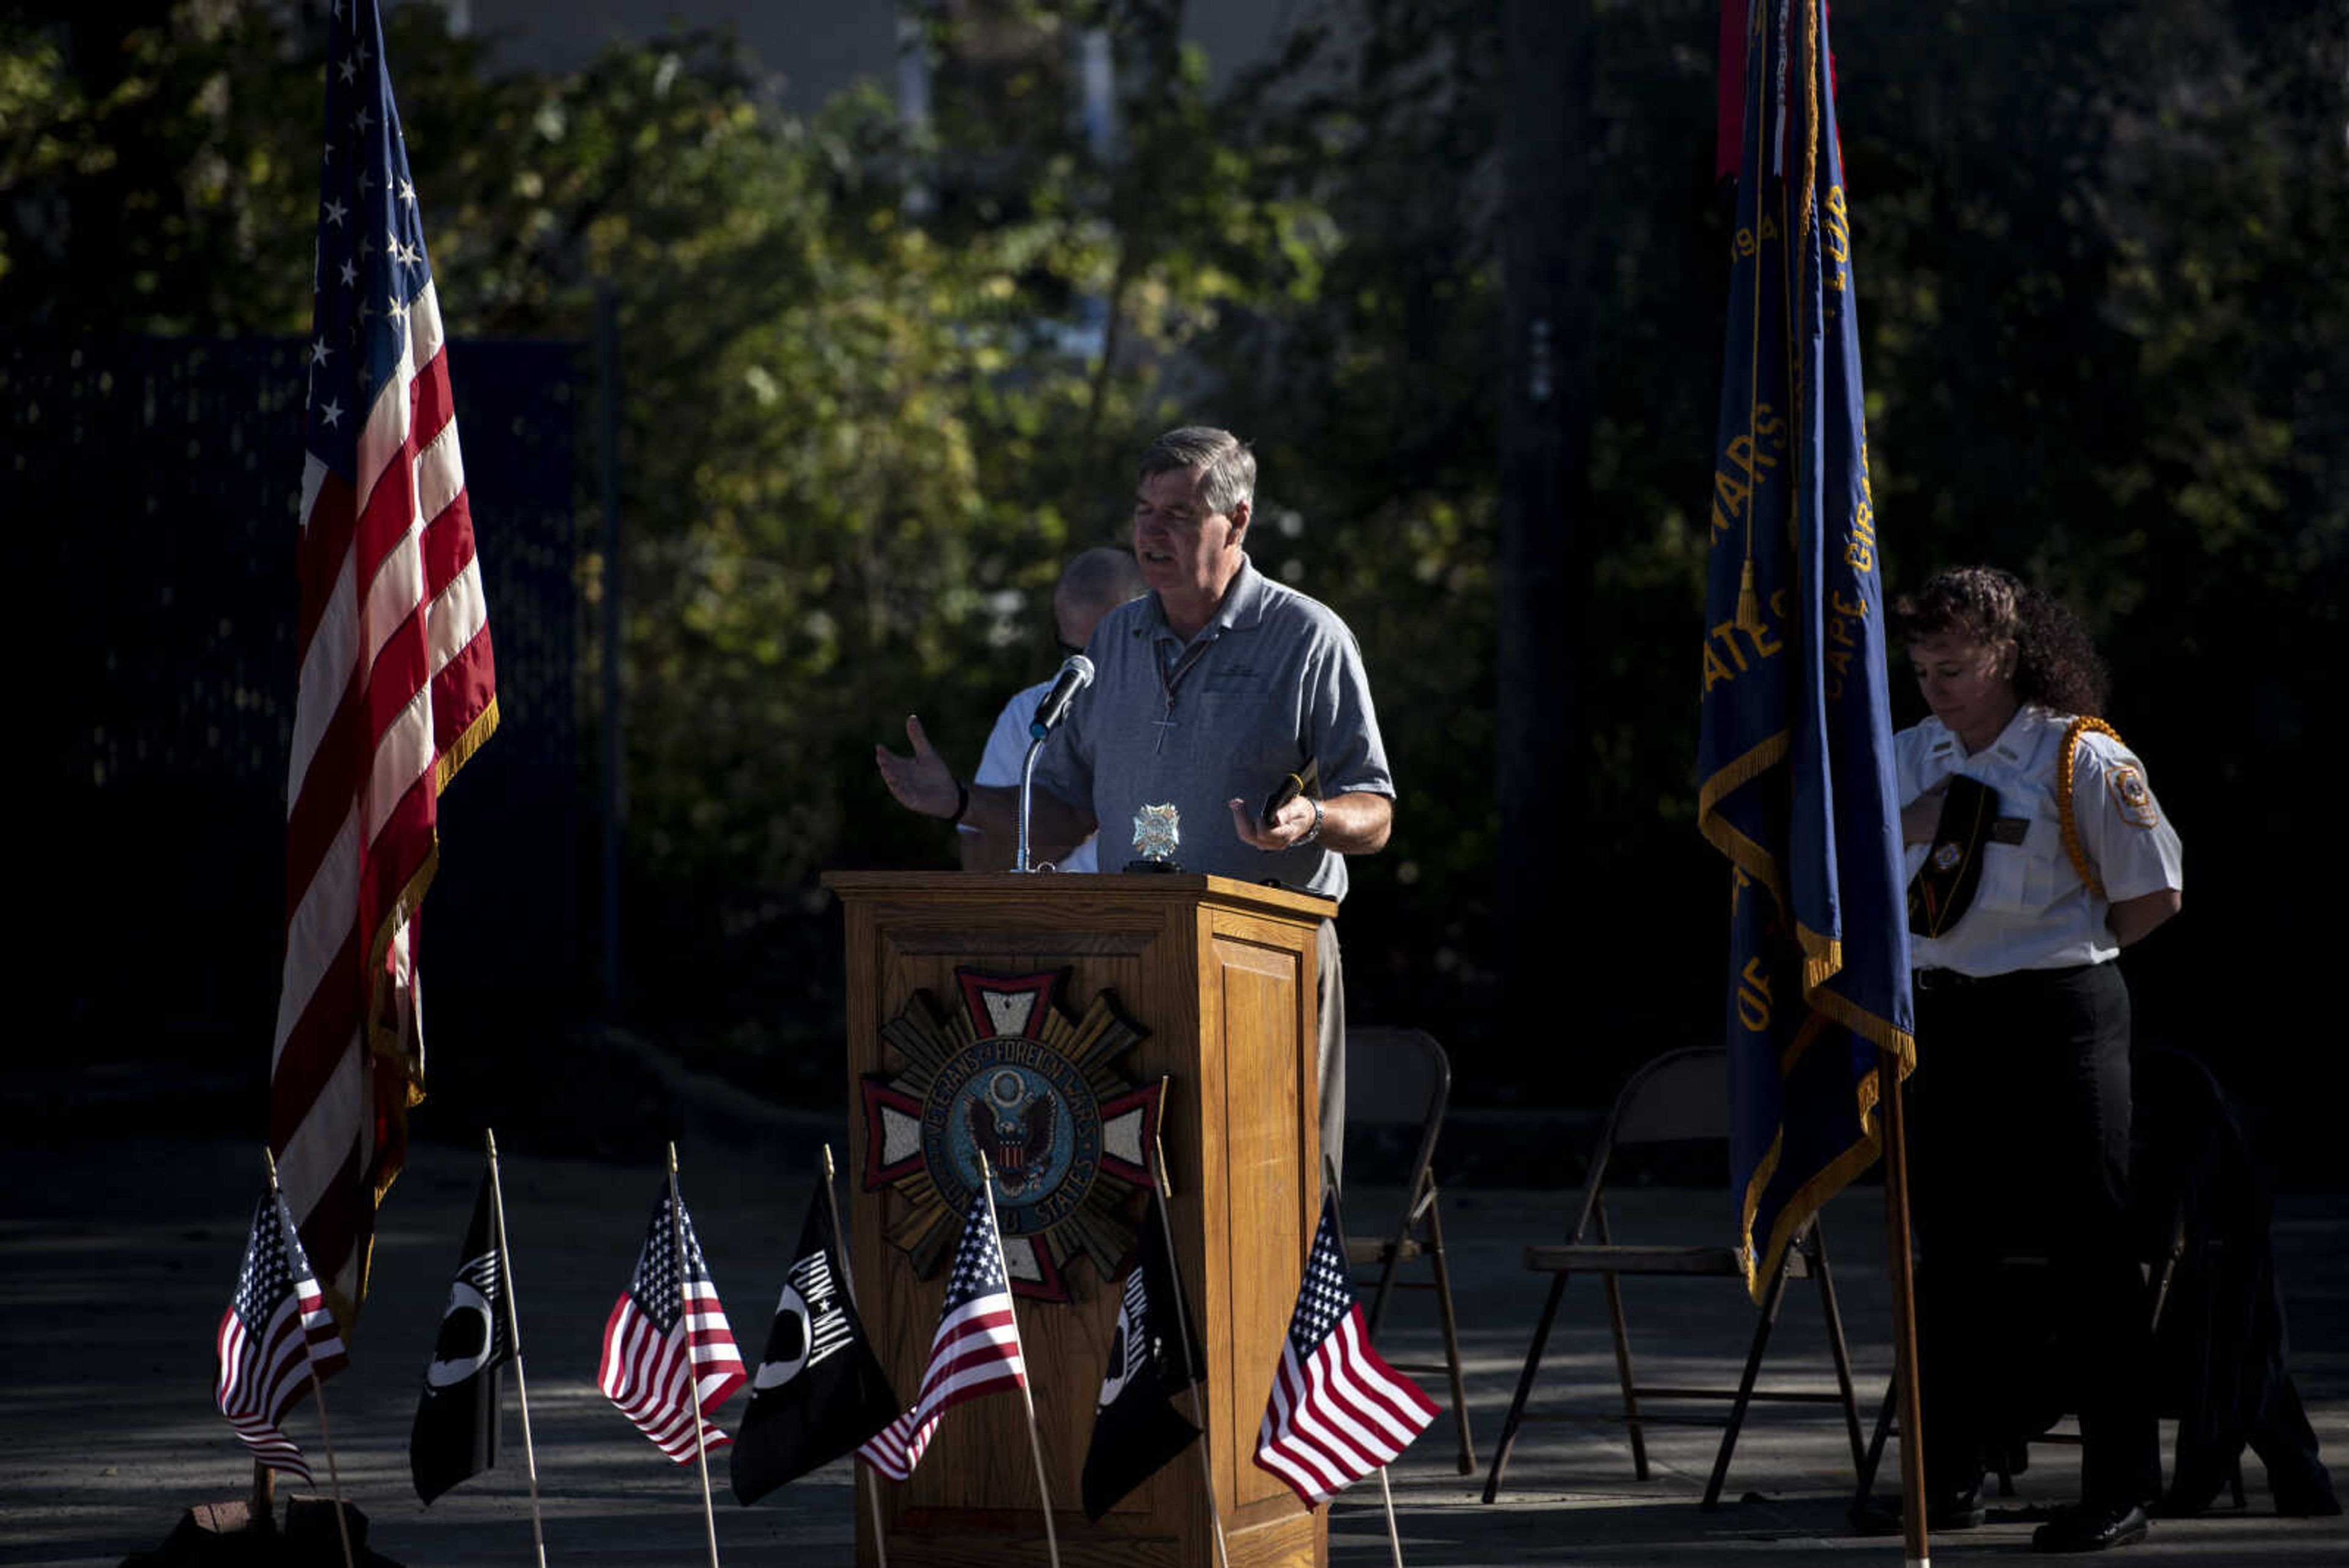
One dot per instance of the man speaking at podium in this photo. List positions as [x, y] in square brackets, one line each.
[1210, 693]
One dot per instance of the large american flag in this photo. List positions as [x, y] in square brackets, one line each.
[668, 1344]
[275, 1332]
[1337, 1411]
[975, 1351]
[397, 685]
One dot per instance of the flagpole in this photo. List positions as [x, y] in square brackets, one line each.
[513, 1338]
[1035, 1439]
[1386, 1488]
[1183, 1327]
[692, 1373]
[333, 1476]
[860, 1473]
[869, 1481]
[1898, 1259]
[318, 1388]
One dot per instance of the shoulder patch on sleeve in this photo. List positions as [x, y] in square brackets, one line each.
[2131, 799]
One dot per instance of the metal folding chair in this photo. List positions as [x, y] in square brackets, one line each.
[1680, 1097]
[1398, 1080]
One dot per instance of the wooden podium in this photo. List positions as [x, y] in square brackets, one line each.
[1220, 975]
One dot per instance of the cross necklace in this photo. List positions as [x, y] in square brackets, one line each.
[1170, 677]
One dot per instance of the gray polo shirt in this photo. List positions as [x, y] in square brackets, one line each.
[1275, 678]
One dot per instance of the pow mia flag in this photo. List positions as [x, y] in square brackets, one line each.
[1135, 1432]
[819, 1391]
[456, 1430]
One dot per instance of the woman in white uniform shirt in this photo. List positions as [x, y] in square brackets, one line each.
[2022, 1091]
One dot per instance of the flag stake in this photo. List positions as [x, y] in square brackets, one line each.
[318, 1388]
[1386, 1488]
[692, 1371]
[513, 1337]
[265, 1479]
[1182, 1326]
[870, 1480]
[1027, 1400]
[1904, 1309]
[333, 1476]
[866, 1482]
[832, 1201]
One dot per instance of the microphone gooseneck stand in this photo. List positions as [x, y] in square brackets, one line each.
[1027, 790]
[1076, 674]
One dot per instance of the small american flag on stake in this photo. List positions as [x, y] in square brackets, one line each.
[1337, 1411]
[276, 1333]
[975, 1351]
[667, 1345]
[397, 686]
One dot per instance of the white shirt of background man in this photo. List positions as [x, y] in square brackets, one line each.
[1006, 751]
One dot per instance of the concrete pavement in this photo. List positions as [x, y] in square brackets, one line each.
[117, 1256]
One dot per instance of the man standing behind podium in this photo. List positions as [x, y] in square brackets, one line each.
[1208, 693]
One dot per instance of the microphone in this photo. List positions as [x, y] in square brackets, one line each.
[1074, 676]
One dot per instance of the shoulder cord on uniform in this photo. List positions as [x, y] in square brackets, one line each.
[2063, 797]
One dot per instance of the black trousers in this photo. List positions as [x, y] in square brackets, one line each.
[2020, 1170]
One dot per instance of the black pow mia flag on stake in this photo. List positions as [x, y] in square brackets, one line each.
[818, 1391]
[1135, 1432]
[456, 1430]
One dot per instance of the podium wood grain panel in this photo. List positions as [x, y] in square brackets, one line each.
[1267, 1162]
[1221, 976]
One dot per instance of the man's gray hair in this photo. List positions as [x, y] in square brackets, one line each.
[1226, 464]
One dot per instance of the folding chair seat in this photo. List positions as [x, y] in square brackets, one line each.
[1679, 1098]
[1398, 1083]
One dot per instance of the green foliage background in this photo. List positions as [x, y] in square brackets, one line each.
[2099, 252]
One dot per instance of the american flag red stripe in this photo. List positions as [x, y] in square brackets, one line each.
[975, 1351]
[397, 684]
[1337, 1410]
[276, 1333]
[667, 1348]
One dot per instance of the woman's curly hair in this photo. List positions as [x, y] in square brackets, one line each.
[2055, 664]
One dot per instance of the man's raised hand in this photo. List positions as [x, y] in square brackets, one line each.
[922, 783]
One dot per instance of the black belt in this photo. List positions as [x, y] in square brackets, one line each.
[1952, 980]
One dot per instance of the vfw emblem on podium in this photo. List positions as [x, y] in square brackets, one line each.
[1010, 1073]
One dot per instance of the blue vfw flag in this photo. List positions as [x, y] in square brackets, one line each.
[1795, 744]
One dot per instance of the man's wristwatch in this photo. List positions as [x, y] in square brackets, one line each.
[1313, 832]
